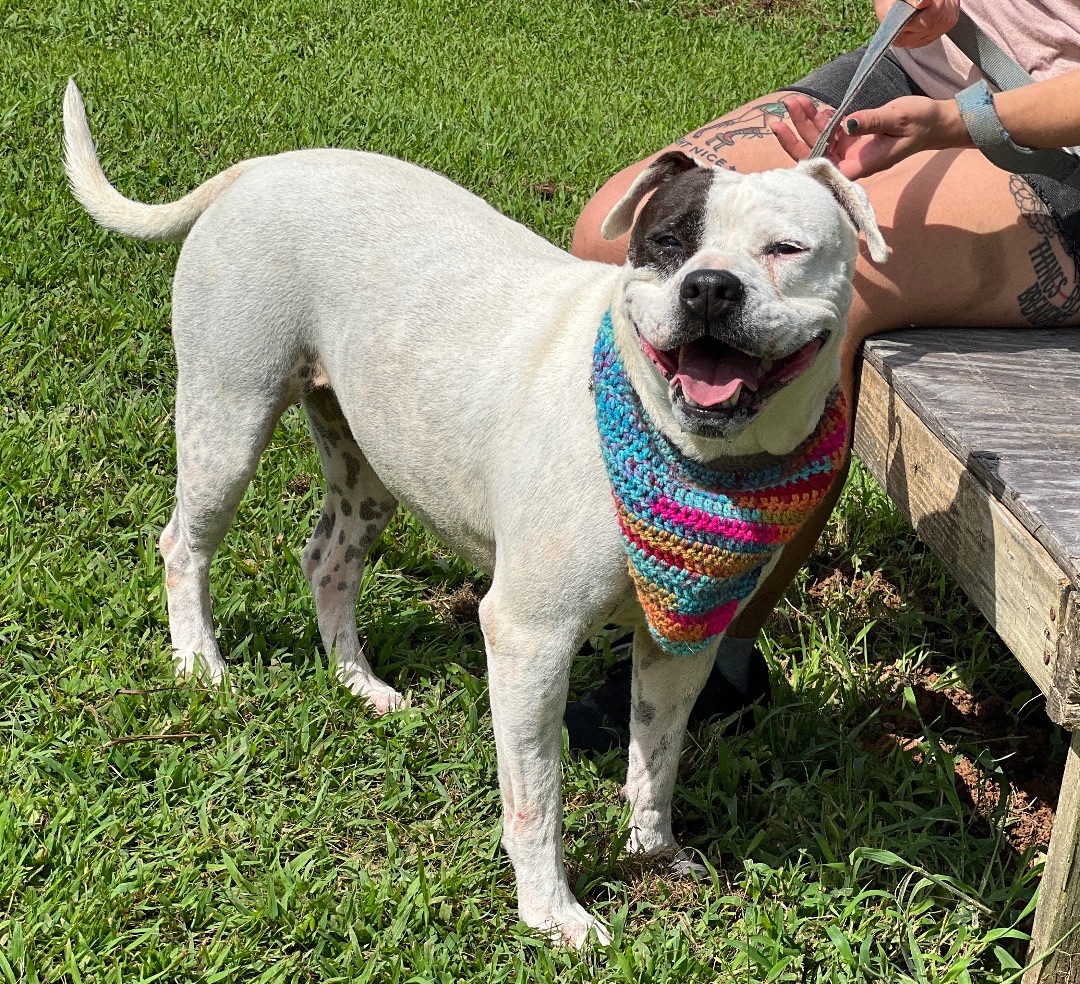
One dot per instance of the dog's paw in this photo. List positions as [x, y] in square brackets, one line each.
[679, 861]
[571, 926]
[381, 697]
[385, 700]
[199, 668]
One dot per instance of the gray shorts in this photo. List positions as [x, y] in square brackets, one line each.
[886, 82]
[889, 81]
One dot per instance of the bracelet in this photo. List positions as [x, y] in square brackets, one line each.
[976, 104]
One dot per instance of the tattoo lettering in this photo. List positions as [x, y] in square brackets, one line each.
[1052, 298]
[703, 154]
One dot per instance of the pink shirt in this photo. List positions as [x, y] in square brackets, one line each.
[1043, 36]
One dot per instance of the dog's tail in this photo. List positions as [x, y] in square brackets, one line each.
[111, 209]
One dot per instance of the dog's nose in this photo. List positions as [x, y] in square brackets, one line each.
[710, 295]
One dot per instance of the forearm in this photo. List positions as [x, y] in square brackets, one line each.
[1043, 114]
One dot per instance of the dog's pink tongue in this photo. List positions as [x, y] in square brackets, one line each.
[707, 380]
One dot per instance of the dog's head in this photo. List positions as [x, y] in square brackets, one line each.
[734, 299]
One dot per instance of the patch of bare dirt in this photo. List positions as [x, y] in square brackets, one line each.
[1028, 772]
[460, 606]
[859, 596]
[770, 8]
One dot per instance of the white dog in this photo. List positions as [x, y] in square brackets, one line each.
[445, 357]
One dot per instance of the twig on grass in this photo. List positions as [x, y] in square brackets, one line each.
[174, 736]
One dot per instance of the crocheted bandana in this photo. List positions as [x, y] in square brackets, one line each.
[698, 538]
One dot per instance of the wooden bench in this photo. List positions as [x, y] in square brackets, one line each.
[975, 435]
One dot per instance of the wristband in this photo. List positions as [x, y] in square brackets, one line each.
[976, 104]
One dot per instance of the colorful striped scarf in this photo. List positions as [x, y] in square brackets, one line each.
[697, 538]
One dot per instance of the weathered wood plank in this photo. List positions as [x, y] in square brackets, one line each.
[1007, 404]
[1011, 577]
[1063, 701]
[976, 438]
[1057, 917]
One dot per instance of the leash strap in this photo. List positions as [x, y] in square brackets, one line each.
[899, 14]
[987, 57]
[976, 104]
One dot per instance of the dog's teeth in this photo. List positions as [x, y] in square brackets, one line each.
[732, 400]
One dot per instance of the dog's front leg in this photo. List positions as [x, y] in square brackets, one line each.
[528, 672]
[663, 689]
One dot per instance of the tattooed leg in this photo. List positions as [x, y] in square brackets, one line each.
[713, 143]
[1055, 296]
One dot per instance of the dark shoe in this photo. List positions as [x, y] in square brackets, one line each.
[720, 699]
[600, 720]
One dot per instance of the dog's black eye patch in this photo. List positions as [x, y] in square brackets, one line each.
[669, 228]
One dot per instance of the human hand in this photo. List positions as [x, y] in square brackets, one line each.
[872, 139]
[934, 18]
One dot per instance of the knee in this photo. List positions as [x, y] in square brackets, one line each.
[588, 244]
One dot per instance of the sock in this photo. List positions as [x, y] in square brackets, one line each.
[733, 661]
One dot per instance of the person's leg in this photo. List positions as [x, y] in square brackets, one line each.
[971, 246]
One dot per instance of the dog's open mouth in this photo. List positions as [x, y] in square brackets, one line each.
[715, 381]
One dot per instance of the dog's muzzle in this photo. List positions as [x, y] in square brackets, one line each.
[714, 385]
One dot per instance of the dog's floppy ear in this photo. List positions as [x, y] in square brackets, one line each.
[853, 201]
[664, 168]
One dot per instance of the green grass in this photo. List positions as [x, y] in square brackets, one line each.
[150, 830]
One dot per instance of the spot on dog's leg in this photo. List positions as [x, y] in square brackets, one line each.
[346, 507]
[341, 537]
[326, 524]
[352, 469]
[660, 752]
[644, 712]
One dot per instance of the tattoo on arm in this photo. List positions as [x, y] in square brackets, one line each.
[1052, 299]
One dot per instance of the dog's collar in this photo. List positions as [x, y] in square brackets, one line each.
[697, 538]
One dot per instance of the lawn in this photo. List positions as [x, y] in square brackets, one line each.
[872, 827]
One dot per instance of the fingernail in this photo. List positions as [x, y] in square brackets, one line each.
[852, 126]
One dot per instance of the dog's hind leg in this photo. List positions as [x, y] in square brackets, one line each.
[219, 439]
[356, 510]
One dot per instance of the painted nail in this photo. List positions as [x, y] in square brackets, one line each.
[852, 126]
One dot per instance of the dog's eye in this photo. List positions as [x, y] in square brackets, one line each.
[667, 241]
[785, 249]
